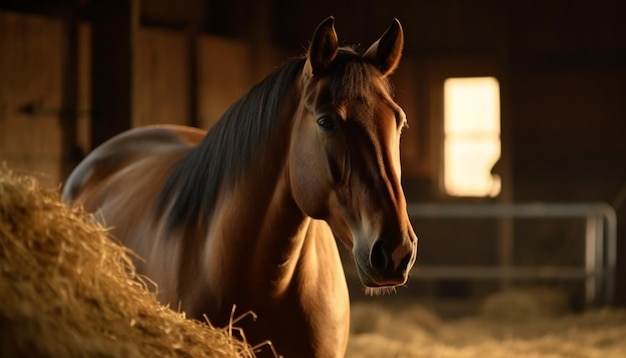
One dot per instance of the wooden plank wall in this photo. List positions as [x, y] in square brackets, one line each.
[161, 78]
[33, 52]
[31, 78]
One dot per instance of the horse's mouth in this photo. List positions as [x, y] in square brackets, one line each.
[373, 280]
[373, 287]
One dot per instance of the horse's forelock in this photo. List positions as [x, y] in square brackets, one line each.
[352, 78]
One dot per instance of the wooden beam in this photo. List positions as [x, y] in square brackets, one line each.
[68, 115]
[113, 32]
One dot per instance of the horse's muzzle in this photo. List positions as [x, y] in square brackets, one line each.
[387, 266]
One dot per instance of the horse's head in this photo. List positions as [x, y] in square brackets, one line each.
[344, 161]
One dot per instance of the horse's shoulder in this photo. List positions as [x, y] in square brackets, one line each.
[127, 147]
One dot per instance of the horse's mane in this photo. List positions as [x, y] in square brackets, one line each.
[195, 181]
[229, 146]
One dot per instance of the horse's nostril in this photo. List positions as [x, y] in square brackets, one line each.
[406, 261]
[379, 257]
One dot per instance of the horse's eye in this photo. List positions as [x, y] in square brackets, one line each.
[328, 123]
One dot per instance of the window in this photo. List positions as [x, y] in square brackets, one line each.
[471, 136]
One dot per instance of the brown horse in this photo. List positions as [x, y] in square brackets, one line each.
[248, 214]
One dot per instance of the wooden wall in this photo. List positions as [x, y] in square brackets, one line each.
[161, 78]
[31, 78]
[32, 85]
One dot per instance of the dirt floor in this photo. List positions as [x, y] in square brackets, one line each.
[508, 324]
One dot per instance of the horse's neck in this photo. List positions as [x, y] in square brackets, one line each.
[267, 229]
[285, 264]
[265, 255]
[261, 229]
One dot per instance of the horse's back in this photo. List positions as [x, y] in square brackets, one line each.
[120, 180]
[145, 146]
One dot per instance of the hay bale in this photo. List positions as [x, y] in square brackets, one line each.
[66, 290]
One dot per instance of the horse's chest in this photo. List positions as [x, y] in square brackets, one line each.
[295, 333]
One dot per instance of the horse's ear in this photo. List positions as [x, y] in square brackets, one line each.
[323, 47]
[386, 52]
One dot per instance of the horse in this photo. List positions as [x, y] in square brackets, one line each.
[251, 213]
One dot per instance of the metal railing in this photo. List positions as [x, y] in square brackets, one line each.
[600, 244]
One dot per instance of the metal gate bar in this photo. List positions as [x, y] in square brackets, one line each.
[600, 244]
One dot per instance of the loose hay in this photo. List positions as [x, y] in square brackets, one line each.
[66, 290]
[410, 330]
[529, 304]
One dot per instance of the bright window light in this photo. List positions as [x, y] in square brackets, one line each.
[471, 136]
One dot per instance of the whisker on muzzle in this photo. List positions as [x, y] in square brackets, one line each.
[379, 291]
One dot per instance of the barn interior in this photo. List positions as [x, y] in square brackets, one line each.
[529, 193]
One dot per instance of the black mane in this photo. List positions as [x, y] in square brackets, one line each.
[227, 149]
